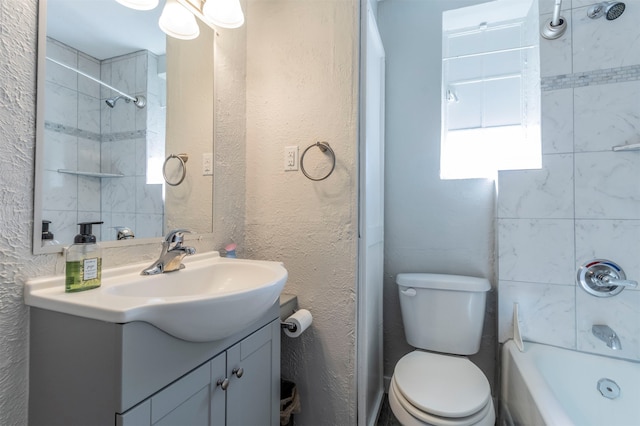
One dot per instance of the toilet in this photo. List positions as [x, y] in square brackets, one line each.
[436, 384]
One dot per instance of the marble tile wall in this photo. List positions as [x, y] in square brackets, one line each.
[127, 132]
[585, 201]
[72, 132]
[84, 134]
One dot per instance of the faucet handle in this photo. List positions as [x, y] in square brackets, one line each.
[603, 278]
[175, 235]
[607, 280]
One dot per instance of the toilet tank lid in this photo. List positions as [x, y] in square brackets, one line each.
[443, 282]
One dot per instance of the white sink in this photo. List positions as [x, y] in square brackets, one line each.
[210, 299]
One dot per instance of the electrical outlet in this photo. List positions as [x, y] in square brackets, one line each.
[291, 158]
[207, 164]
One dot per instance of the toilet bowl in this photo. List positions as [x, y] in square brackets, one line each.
[440, 390]
[436, 384]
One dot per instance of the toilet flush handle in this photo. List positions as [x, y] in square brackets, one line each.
[411, 292]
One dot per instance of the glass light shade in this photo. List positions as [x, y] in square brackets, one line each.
[139, 4]
[224, 13]
[178, 22]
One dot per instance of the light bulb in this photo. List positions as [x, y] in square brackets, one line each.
[178, 22]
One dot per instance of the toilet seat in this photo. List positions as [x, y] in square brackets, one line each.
[408, 415]
[444, 385]
[441, 390]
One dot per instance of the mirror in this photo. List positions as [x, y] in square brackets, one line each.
[100, 155]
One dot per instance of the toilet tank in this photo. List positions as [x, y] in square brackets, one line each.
[443, 313]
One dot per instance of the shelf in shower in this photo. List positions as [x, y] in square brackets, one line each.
[630, 147]
[91, 174]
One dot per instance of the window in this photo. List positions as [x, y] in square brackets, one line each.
[490, 89]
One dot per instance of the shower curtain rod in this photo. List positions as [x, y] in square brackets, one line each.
[94, 79]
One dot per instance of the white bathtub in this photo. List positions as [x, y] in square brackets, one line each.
[545, 385]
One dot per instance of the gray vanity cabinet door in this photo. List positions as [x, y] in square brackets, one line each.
[218, 390]
[249, 397]
[253, 374]
[137, 416]
[185, 402]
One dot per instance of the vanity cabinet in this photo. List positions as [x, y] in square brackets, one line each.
[85, 371]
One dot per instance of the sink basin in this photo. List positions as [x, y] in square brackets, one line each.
[212, 298]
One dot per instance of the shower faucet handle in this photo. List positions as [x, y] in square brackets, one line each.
[603, 278]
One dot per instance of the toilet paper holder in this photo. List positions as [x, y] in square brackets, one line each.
[289, 326]
[296, 324]
[288, 307]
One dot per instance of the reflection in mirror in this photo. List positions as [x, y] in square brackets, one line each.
[491, 89]
[100, 152]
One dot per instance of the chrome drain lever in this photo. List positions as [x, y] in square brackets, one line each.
[608, 388]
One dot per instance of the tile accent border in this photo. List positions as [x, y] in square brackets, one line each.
[122, 136]
[85, 134]
[591, 78]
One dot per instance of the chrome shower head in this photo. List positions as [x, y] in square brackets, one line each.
[139, 101]
[611, 10]
[112, 101]
[614, 10]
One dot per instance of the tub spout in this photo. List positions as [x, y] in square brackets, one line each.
[607, 335]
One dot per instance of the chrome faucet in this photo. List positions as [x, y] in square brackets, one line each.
[172, 254]
[124, 233]
[607, 335]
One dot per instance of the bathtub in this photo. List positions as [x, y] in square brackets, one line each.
[546, 385]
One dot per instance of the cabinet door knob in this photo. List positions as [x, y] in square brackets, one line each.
[238, 372]
[223, 383]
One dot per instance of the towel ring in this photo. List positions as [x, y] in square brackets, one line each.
[324, 147]
[183, 158]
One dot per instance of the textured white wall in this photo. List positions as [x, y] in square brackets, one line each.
[302, 79]
[431, 225]
[302, 74]
[18, 44]
[17, 137]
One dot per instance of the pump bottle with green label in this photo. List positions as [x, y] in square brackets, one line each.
[84, 261]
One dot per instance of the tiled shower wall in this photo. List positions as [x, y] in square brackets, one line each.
[72, 135]
[130, 135]
[83, 134]
[585, 201]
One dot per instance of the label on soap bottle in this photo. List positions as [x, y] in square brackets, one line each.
[83, 274]
[90, 269]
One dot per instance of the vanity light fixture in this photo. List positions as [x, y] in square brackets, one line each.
[139, 4]
[178, 18]
[176, 21]
[224, 13]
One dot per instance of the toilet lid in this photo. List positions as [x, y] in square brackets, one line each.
[400, 406]
[443, 385]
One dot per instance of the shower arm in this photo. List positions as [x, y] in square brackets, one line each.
[124, 95]
[555, 21]
[556, 26]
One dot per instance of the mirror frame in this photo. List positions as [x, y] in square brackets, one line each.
[37, 247]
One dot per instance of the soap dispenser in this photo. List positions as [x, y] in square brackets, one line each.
[84, 261]
[47, 236]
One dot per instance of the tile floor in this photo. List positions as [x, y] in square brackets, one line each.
[386, 417]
